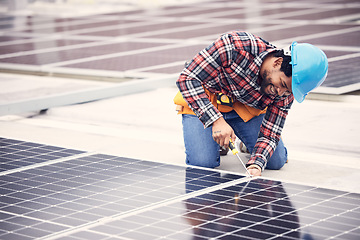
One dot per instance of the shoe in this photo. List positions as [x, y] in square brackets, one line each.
[223, 151]
[241, 146]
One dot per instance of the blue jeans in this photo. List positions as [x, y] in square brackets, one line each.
[201, 149]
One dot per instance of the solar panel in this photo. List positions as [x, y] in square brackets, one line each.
[98, 196]
[343, 73]
[133, 43]
[256, 209]
[48, 199]
[15, 153]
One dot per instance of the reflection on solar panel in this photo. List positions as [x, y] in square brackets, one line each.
[139, 42]
[258, 209]
[100, 196]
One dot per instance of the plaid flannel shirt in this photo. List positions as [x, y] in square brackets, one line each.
[231, 65]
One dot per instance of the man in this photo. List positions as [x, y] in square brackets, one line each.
[254, 84]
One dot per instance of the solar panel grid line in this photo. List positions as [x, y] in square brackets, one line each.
[348, 18]
[218, 12]
[332, 15]
[262, 223]
[324, 218]
[278, 235]
[91, 38]
[308, 8]
[306, 12]
[264, 17]
[321, 34]
[51, 23]
[41, 164]
[255, 29]
[154, 67]
[75, 27]
[184, 9]
[104, 28]
[251, 214]
[345, 57]
[348, 234]
[339, 49]
[143, 208]
[144, 75]
[26, 221]
[76, 55]
[61, 48]
[16, 153]
[223, 217]
[175, 29]
[149, 30]
[112, 55]
[11, 18]
[27, 40]
[156, 215]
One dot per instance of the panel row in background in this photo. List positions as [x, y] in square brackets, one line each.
[150, 42]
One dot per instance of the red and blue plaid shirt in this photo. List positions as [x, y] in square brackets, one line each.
[231, 65]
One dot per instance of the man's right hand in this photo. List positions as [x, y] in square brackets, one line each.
[222, 132]
[254, 171]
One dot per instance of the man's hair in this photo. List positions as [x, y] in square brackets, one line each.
[286, 67]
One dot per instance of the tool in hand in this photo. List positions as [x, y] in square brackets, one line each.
[236, 152]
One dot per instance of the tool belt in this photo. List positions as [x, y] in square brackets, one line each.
[223, 103]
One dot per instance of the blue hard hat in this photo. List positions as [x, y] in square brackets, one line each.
[309, 69]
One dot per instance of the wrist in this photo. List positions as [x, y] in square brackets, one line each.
[254, 166]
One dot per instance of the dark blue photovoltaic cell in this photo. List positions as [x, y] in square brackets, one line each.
[16, 153]
[259, 209]
[101, 197]
[79, 191]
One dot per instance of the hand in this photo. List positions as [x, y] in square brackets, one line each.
[222, 132]
[254, 171]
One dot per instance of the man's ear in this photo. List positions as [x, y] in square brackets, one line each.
[277, 61]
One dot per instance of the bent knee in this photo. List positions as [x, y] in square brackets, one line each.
[276, 165]
[203, 161]
[277, 161]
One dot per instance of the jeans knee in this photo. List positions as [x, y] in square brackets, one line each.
[276, 165]
[202, 160]
[277, 160]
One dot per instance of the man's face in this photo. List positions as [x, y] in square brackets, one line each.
[275, 82]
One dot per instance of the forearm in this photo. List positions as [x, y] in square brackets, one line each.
[195, 96]
[263, 150]
[269, 136]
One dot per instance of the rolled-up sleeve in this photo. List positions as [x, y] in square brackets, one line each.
[270, 132]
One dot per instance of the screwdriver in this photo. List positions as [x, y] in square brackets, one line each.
[236, 152]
